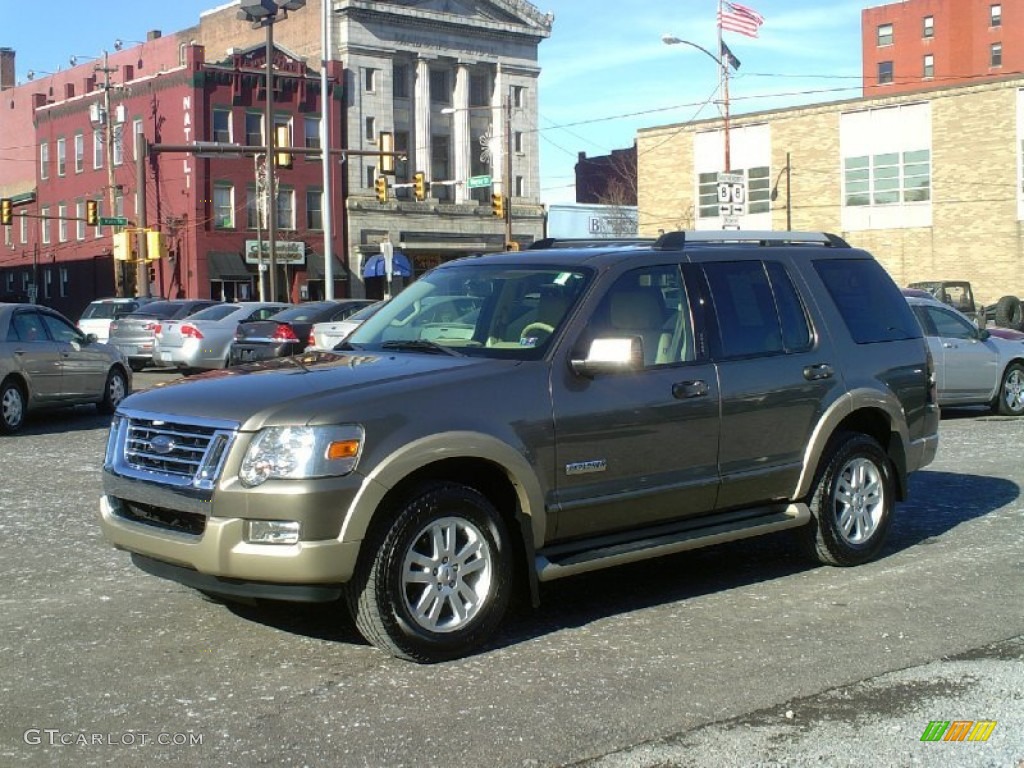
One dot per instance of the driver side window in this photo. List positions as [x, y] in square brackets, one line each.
[950, 326]
[61, 331]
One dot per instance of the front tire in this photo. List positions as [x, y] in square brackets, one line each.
[436, 582]
[852, 503]
[12, 407]
[114, 391]
[1011, 391]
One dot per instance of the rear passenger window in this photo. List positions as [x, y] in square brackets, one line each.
[871, 305]
[796, 330]
[748, 322]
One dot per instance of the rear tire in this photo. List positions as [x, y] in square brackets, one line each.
[114, 391]
[434, 583]
[852, 502]
[12, 407]
[1010, 401]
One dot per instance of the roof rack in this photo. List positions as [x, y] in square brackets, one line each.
[588, 242]
[675, 240]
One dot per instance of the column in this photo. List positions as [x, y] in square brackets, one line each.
[461, 134]
[499, 142]
[421, 118]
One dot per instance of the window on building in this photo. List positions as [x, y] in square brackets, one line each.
[253, 129]
[222, 125]
[928, 28]
[996, 55]
[996, 15]
[23, 229]
[97, 148]
[311, 132]
[252, 208]
[440, 164]
[885, 34]
[137, 130]
[440, 92]
[9, 235]
[223, 206]
[370, 80]
[518, 96]
[402, 163]
[371, 177]
[118, 204]
[44, 224]
[888, 178]
[9, 282]
[479, 90]
[283, 121]
[79, 153]
[517, 141]
[48, 283]
[118, 151]
[98, 230]
[370, 129]
[44, 160]
[400, 81]
[884, 72]
[62, 223]
[64, 280]
[286, 208]
[62, 157]
[314, 208]
[520, 186]
[80, 220]
[929, 66]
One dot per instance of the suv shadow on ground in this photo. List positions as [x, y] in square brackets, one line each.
[941, 501]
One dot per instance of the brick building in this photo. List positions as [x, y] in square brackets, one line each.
[918, 44]
[930, 182]
[607, 179]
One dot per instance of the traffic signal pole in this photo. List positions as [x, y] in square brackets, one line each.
[142, 264]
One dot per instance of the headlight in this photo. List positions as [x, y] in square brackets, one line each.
[297, 453]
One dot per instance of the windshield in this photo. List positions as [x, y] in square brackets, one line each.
[489, 310]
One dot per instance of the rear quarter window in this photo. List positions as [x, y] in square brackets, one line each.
[869, 302]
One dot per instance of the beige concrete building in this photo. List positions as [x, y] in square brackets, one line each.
[930, 182]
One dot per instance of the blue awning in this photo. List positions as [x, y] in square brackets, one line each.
[400, 266]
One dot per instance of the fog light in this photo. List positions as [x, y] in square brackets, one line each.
[272, 531]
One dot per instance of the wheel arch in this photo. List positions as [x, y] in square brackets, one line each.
[18, 379]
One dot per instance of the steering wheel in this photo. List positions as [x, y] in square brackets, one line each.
[548, 329]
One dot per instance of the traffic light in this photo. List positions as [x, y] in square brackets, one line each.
[122, 246]
[498, 205]
[419, 186]
[92, 213]
[156, 244]
[6, 214]
[282, 139]
[382, 189]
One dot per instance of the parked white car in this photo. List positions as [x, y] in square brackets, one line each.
[326, 335]
[202, 341]
[97, 317]
[972, 366]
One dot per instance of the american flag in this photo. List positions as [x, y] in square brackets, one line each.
[734, 17]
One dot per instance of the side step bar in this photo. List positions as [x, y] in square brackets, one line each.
[593, 554]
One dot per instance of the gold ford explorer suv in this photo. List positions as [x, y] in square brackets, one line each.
[578, 408]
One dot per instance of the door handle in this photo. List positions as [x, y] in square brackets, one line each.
[683, 390]
[948, 345]
[818, 372]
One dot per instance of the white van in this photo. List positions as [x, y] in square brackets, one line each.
[98, 315]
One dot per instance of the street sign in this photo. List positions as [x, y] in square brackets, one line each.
[113, 221]
[732, 195]
[478, 181]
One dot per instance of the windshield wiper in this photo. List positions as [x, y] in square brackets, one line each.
[420, 345]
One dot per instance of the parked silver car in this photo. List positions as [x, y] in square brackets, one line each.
[97, 317]
[46, 362]
[133, 334]
[325, 335]
[202, 341]
[972, 366]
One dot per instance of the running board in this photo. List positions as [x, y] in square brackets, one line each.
[581, 556]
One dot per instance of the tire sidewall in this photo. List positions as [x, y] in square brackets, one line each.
[440, 501]
[840, 551]
[107, 404]
[5, 426]
[1001, 406]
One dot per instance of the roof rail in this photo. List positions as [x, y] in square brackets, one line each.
[675, 240]
[587, 242]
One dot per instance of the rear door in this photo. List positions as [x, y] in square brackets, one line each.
[35, 355]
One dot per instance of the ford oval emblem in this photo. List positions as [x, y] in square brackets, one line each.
[161, 444]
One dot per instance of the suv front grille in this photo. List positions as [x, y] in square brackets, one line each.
[171, 452]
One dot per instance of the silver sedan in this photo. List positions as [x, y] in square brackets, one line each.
[202, 341]
[972, 366]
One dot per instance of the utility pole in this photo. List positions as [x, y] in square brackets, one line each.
[141, 265]
[326, 103]
[508, 170]
[108, 141]
[268, 119]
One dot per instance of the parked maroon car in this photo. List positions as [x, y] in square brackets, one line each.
[287, 332]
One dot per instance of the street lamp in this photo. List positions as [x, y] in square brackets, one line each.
[775, 194]
[263, 13]
[723, 70]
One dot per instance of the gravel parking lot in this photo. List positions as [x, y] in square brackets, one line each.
[737, 655]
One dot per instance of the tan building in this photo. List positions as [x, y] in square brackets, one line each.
[930, 182]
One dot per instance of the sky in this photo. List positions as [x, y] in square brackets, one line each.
[605, 72]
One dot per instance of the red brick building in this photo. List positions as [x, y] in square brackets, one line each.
[917, 44]
[205, 206]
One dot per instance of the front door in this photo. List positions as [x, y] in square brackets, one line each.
[35, 355]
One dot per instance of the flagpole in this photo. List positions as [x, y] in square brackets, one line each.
[724, 81]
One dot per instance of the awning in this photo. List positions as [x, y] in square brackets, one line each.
[227, 266]
[400, 266]
[315, 267]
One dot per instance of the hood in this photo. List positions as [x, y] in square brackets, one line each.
[316, 387]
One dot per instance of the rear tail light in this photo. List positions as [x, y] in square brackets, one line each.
[311, 341]
[152, 326]
[284, 333]
[157, 329]
[933, 395]
[189, 331]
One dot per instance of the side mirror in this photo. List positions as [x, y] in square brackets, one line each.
[983, 334]
[91, 338]
[613, 355]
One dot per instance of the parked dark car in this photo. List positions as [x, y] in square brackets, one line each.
[134, 334]
[287, 332]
